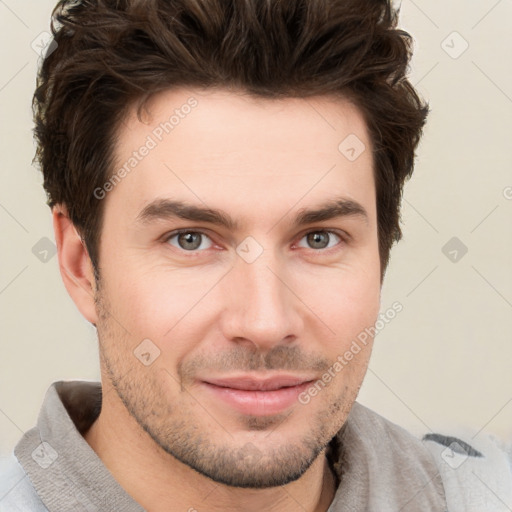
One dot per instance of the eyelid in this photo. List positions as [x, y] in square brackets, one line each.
[343, 235]
[165, 238]
[346, 237]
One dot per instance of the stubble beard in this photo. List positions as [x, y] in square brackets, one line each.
[186, 437]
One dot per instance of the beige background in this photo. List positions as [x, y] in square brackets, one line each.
[444, 362]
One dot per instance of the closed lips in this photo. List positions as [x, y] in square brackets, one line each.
[250, 384]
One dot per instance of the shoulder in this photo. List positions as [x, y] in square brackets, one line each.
[16, 491]
[392, 466]
[383, 432]
[476, 471]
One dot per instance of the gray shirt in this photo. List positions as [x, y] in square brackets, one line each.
[380, 467]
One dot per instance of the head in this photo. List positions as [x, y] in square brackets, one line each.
[277, 136]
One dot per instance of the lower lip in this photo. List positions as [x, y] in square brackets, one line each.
[258, 403]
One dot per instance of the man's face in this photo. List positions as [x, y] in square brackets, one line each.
[230, 313]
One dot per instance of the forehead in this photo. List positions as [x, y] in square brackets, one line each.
[213, 146]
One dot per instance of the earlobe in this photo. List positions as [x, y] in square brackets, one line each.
[74, 263]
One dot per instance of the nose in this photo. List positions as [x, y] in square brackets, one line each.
[261, 308]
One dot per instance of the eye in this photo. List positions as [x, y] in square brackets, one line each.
[188, 240]
[321, 239]
[195, 241]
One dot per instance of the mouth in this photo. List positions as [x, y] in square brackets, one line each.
[257, 396]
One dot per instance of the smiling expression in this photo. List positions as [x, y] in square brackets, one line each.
[238, 259]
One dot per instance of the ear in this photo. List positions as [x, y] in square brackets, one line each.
[75, 264]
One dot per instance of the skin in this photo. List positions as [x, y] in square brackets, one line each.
[170, 443]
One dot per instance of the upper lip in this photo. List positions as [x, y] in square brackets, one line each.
[248, 383]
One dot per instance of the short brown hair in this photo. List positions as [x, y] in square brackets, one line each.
[112, 53]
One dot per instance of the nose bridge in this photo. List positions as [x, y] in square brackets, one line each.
[265, 291]
[261, 308]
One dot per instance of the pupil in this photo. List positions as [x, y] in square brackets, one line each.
[190, 238]
[316, 238]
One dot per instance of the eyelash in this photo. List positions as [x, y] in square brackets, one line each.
[343, 237]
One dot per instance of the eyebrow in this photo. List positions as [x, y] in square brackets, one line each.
[166, 209]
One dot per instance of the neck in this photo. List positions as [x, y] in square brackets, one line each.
[159, 482]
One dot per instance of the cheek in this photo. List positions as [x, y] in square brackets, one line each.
[346, 298]
[153, 300]
[350, 309]
[165, 305]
